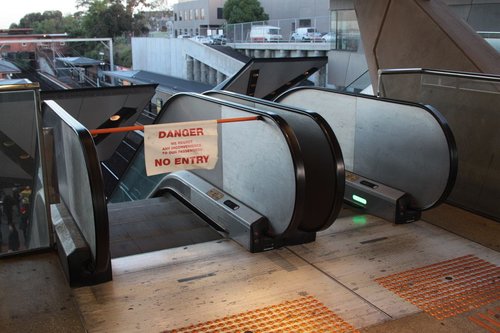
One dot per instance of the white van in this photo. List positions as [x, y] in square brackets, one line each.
[306, 34]
[265, 33]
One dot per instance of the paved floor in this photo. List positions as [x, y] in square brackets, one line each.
[196, 284]
[35, 296]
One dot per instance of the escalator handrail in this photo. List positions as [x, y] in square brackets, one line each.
[101, 252]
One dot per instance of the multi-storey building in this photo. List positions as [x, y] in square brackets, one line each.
[198, 17]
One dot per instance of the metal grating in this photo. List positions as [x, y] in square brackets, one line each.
[305, 314]
[447, 288]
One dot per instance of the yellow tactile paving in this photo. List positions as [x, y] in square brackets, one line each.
[489, 319]
[447, 288]
[305, 314]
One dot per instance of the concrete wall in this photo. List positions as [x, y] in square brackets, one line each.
[285, 9]
[169, 56]
[158, 55]
[345, 67]
[422, 34]
[482, 15]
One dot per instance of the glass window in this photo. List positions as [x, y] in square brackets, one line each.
[305, 23]
[203, 13]
[220, 13]
[345, 27]
[196, 14]
[22, 191]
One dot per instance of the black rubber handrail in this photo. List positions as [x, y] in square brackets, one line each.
[101, 255]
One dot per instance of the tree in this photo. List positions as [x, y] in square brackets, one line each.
[106, 19]
[49, 22]
[118, 19]
[130, 5]
[237, 11]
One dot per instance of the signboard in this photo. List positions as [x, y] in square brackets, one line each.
[180, 146]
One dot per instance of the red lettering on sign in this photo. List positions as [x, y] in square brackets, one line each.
[180, 133]
[161, 162]
[191, 160]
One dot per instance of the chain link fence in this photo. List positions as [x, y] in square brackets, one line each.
[340, 30]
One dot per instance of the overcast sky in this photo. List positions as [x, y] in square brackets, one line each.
[16, 9]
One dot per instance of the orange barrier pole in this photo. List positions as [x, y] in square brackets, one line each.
[141, 127]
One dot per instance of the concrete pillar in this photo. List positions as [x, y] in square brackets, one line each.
[267, 54]
[315, 53]
[282, 53]
[220, 77]
[189, 68]
[196, 70]
[248, 53]
[257, 53]
[321, 77]
[203, 73]
[297, 53]
[212, 79]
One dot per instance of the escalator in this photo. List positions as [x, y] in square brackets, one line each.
[262, 204]
[279, 180]
[400, 157]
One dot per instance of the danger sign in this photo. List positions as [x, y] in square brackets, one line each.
[180, 146]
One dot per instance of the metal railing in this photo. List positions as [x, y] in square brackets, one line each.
[338, 37]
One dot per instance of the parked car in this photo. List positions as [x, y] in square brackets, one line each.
[329, 37]
[265, 33]
[306, 34]
[184, 36]
[202, 39]
[219, 40]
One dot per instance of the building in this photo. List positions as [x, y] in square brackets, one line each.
[199, 17]
[23, 40]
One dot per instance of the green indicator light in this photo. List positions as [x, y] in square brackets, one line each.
[359, 199]
[359, 220]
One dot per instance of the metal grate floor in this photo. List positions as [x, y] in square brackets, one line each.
[447, 288]
[305, 314]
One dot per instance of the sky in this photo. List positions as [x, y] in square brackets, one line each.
[13, 13]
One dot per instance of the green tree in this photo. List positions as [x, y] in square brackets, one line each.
[106, 19]
[73, 25]
[29, 19]
[112, 18]
[130, 5]
[237, 11]
[123, 52]
[50, 22]
[118, 19]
